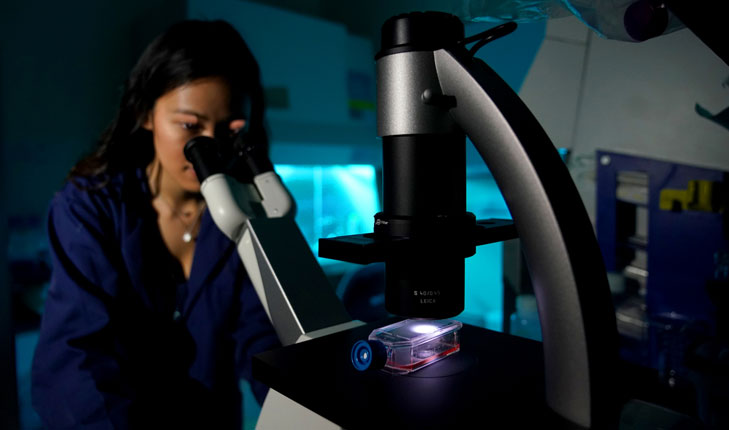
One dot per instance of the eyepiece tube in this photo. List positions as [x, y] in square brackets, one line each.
[253, 152]
[202, 152]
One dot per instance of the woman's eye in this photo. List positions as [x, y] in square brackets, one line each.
[190, 125]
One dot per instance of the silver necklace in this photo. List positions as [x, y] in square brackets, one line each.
[187, 235]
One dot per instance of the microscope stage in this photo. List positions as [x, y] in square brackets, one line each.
[494, 379]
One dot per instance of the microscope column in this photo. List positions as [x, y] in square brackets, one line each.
[424, 201]
[424, 171]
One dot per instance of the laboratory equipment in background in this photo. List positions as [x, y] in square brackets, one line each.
[663, 228]
[626, 20]
[524, 321]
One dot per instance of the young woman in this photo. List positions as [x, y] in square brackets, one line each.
[150, 319]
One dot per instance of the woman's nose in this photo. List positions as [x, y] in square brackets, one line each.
[208, 132]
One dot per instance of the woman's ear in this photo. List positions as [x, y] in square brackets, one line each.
[148, 122]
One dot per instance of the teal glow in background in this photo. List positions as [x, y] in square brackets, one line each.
[484, 270]
[339, 200]
[333, 200]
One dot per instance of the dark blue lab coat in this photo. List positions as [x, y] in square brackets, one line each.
[126, 341]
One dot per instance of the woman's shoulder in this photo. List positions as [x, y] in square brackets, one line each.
[101, 194]
[106, 186]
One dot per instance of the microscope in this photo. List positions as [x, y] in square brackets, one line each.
[431, 93]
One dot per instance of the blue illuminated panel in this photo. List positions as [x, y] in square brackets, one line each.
[332, 200]
[484, 270]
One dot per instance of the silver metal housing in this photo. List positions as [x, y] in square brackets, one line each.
[401, 81]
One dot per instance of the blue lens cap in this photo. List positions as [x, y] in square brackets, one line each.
[361, 355]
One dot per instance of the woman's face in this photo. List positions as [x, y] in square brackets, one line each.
[197, 108]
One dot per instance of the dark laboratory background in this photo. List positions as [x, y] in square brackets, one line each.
[639, 125]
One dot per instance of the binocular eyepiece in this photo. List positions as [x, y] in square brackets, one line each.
[242, 156]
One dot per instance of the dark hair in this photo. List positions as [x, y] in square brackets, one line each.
[187, 51]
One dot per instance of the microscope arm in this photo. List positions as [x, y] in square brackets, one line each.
[259, 218]
[575, 308]
[275, 198]
[229, 208]
[223, 205]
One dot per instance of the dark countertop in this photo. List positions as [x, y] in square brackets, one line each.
[494, 379]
